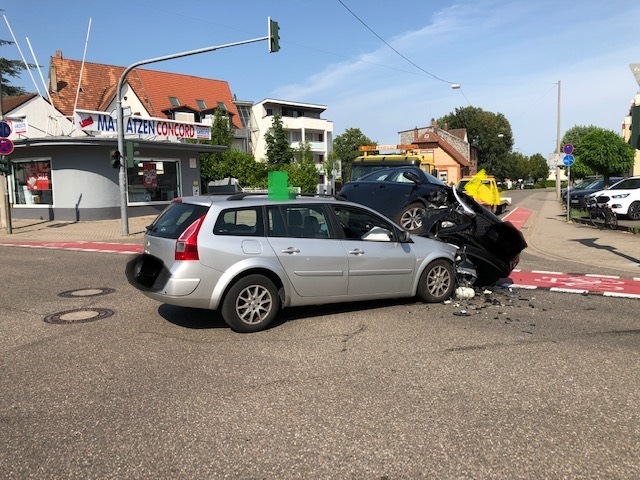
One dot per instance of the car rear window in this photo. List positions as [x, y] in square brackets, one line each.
[240, 221]
[175, 219]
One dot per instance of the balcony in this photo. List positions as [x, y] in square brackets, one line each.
[318, 147]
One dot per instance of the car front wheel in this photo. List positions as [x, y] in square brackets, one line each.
[251, 304]
[410, 218]
[634, 211]
[437, 282]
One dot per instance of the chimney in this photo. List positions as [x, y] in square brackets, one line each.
[58, 53]
[434, 123]
[415, 133]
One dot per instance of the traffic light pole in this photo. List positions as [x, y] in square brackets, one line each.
[122, 177]
[5, 178]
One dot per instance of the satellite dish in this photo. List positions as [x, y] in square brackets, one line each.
[635, 69]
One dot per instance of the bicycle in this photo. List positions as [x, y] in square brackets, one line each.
[600, 214]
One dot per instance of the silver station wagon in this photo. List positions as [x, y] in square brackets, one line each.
[249, 256]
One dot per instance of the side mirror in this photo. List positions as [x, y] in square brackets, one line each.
[404, 236]
[409, 175]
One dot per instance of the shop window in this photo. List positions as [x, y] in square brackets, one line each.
[154, 181]
[32, 182]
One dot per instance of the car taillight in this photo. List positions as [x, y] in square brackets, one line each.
[187, 244]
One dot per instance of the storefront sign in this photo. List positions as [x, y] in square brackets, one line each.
[19, 127]
[103, 122]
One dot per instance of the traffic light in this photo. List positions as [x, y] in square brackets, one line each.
[5, 165]
[115, 158]
[132, 153]
[274, 36]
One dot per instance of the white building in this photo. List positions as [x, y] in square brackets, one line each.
[303, 123]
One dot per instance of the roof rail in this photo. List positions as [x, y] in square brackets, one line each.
[241, 195]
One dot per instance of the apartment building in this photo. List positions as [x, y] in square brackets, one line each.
[303, 123]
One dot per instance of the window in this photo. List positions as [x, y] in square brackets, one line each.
[32, 182]
[222, 106]
[201, 104]
[361, 225]
[176, 219]
[301, 221]
[174, 101]
[241, 221]
[154, 181]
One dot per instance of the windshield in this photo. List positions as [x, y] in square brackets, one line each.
[626, 184]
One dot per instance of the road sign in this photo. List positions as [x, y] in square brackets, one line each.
[568, 160]
[6, 146]
[5, 130]
[568, 149]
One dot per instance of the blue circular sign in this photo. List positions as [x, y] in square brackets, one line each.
[568, 160]
[568, 149]
[5, 129]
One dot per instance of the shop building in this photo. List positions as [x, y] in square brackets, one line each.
[61, 167]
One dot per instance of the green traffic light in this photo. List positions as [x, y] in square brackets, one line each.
[5, 165]
[274, 36]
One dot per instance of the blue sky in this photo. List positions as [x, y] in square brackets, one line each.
[507, 55]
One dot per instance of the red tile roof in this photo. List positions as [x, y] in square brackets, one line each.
[11, 103]
[153, 88]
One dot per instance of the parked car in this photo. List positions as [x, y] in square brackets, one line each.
[393, 193]
[578, 199]
[248, 256]
[578, 186]
[623, 197]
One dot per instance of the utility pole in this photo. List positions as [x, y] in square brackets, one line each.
[558, 189]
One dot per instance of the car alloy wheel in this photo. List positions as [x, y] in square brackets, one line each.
[634, 211]
[411, 217]
[437, 282]
[251, 304]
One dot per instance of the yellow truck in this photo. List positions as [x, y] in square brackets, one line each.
[484, 189]
[399, 155]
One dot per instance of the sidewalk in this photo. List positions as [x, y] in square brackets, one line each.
[546, 231]
[60, 231]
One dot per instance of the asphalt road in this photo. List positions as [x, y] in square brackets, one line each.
[508, 385]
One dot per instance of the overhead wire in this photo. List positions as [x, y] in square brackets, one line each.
[388, 45]
[458, 86]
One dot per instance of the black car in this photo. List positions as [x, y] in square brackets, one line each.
[402, 194]
[425, 206]
[578, 198]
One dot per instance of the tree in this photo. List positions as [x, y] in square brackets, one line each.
[303, 153]
[605, 152]
[212, 164]
[345, 148]
[573, 137]
[279, 151]
[516, 166]
[332, 166]
[11, 69]
[538, 167]
[489, 132]
[302, 171]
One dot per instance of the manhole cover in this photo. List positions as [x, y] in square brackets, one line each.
[79, 315]
[86, 292]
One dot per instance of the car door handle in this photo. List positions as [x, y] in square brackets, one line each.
[357, 251]
[291, 250]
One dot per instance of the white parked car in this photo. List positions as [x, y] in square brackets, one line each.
[624, 197]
